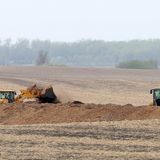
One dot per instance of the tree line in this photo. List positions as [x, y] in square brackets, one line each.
[80, 53]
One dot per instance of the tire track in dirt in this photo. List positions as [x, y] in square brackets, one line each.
[63, 141]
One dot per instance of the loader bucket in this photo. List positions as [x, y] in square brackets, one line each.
[48, 95]
[41, 94]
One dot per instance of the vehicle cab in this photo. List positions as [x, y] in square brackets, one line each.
[7, 95]
[156, 96]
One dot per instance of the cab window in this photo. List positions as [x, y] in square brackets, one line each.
[157, 94]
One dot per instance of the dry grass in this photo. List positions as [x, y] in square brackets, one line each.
[99, 140]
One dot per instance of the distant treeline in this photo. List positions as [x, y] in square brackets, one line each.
[137, 64]
[81, 53]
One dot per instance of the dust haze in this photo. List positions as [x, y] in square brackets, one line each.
[100, 59]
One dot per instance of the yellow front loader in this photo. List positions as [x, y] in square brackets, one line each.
[41, 95]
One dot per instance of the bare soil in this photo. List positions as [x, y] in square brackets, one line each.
[98, 88]
[89, 85]
[70, 112]
[98, 129]
[134, 140]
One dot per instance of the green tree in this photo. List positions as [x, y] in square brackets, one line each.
[42, 58]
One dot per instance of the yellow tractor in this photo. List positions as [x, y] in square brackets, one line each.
[41, 95]
[7, 96]
[31, 94]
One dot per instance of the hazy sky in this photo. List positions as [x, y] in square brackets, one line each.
[72, 20]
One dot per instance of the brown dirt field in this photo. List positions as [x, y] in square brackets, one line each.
[90, 85]
[122, 140]
[93, 86]
[95, 130]
[69, 112]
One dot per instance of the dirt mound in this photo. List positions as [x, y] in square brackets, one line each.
[74, 112]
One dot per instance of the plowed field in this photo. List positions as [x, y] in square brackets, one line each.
[122, 140]
[115, 121]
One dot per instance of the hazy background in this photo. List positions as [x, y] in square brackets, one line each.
[71, 28]
[72, 20]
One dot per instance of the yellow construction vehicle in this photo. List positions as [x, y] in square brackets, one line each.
[33, 93]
